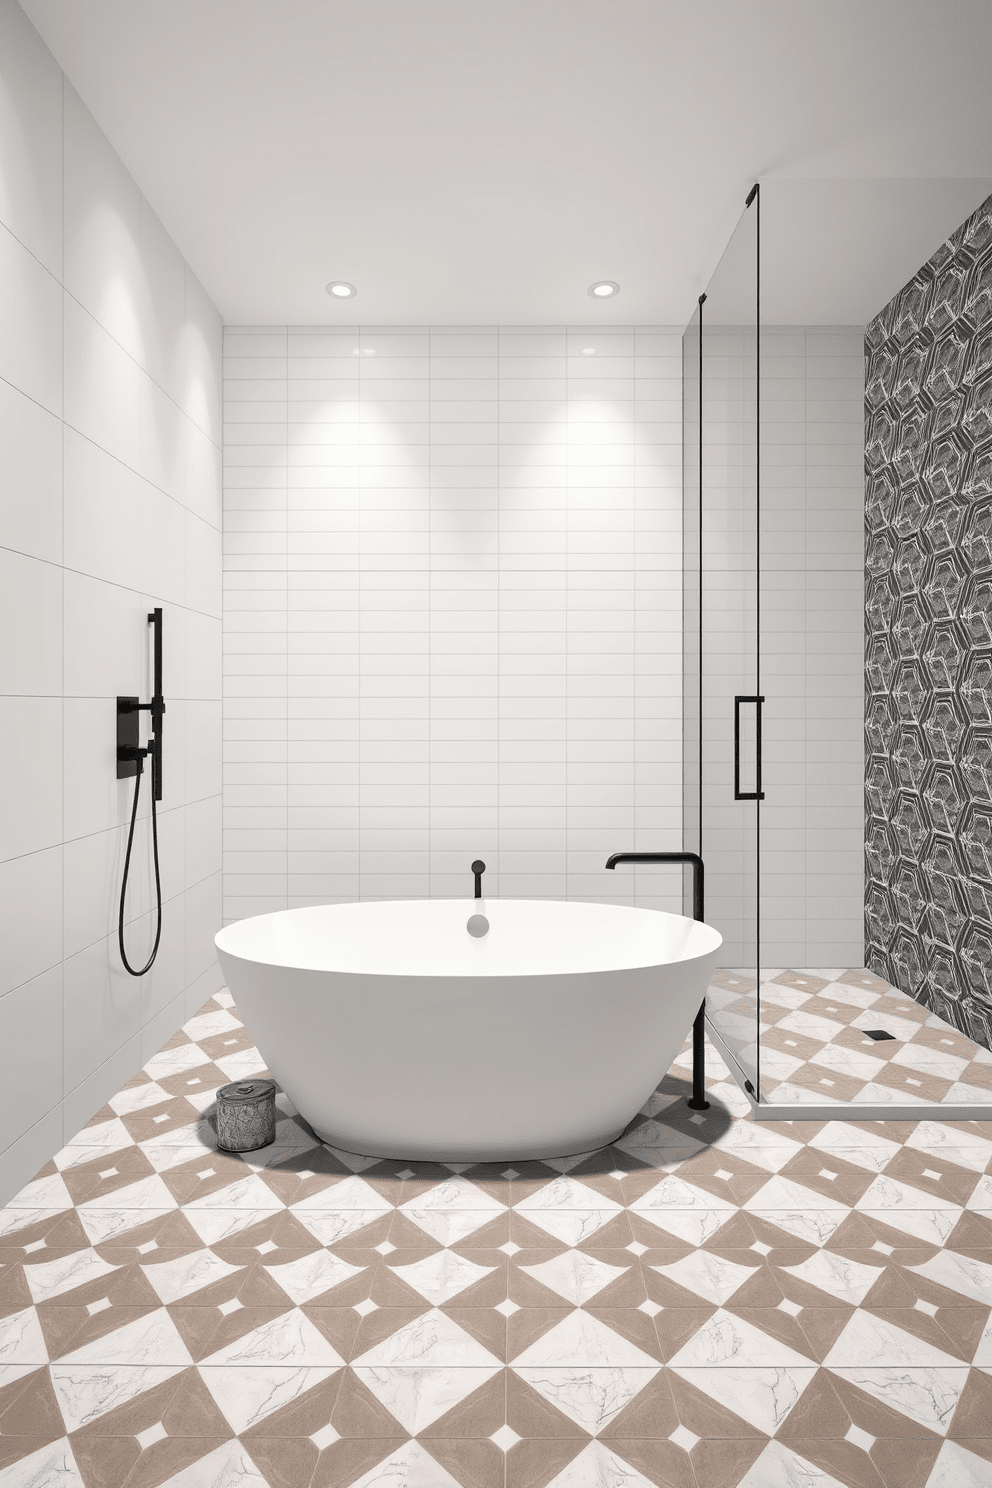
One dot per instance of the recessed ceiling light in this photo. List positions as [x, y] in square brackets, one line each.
[340, 289]
[588, 351]
[603, 289]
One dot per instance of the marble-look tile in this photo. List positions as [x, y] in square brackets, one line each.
[780, 1467]
[206, 1025]
[856, 1062]
[580, 1363]
[312, 1275]
[959, 1146]
[104, 1225]
[12, 1220]
[825, 1030]
[164, 1156]
[21, 1340]
[441, 1276]
[333, 1227]
[781, 1192]
[709, 1276]
[419, 1395]
[138, 1098]
[592, 1397]
[840, 1276]
[176, 1061]
[766, 1149]
[243, 1064]
[453, 1210]
[52, 1278]
[926, 1395]
[246, 1393]
[598, 1466]
[173, 1280]
[581, 1340]
[433, 1338]
[152, 1339]
[224, 1467]
[146, 1193]
[290, 1339]
[727, 1340]
[872, 1342]
[575, 1276]
[962, 1274]
[409, 1466]
[677, 1207]
[762, 1396]
[85, 1392]
[902, 1203]
[927, 1061]
[52, 1466]
[226, 1210]
[956, 1467]
[570, 1226]
[981, 1194]
[291, 1140]
[349, 1194]
[658, 1145]
[42, 1193]
[106, 1136]
[864, 1148]
[198, 1134]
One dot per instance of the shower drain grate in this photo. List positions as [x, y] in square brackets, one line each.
[878, 1033]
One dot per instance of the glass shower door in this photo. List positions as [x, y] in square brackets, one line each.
[722, 689]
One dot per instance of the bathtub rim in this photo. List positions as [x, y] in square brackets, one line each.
[713, 936]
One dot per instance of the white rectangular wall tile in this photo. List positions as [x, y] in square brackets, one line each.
[103, 516]
[445, 564]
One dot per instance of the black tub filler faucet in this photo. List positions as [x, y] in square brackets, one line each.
[478, 868]
[695, 862]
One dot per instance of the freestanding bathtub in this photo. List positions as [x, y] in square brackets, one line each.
[397, 1032]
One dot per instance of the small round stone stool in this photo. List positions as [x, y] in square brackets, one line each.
[246, 1115]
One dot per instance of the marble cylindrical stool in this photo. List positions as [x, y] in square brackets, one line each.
[246, 1115]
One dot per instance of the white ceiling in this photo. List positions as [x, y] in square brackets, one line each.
[484, 161]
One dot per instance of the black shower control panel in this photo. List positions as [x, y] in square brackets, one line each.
[127, 737]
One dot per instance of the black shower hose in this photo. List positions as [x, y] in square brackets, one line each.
[127, 864]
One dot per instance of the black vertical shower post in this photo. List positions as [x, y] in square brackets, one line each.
[698, 1101]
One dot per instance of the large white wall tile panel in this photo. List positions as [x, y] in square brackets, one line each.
[30, 324]
[101, 518]
[31, 474]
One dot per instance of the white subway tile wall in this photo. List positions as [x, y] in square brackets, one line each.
[452, 612]
[110, 504]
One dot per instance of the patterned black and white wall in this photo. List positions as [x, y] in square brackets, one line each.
[928, 703]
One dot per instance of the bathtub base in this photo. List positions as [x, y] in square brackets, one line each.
[401, 1151]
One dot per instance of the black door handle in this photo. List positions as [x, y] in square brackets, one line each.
[757, 794]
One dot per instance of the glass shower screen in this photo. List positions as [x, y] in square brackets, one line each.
[722, 686]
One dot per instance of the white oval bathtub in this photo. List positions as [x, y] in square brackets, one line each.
[397, 1033]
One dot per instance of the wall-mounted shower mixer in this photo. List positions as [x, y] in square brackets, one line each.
[131, 756]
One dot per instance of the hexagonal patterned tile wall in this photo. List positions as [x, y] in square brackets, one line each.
[928, 641]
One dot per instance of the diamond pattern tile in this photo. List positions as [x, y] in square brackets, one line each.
[820, 1047]
[714, 1299]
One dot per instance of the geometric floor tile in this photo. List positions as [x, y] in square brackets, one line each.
[778, 1467]
[816, 1048]
[591, 1397]
[710, 1300]
[419, 1396]
[597, 1464]
[762, 1396]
